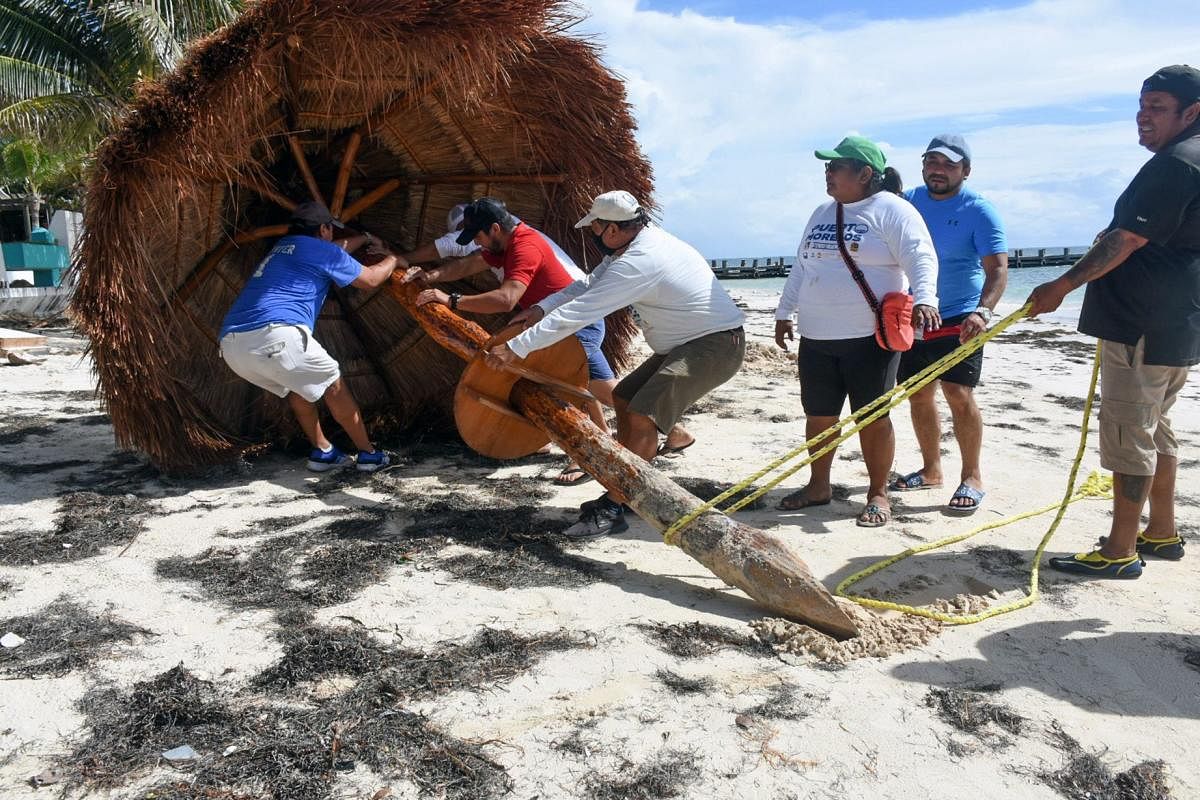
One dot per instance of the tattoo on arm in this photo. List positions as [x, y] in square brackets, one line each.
[1134, 488]
[1108, 253]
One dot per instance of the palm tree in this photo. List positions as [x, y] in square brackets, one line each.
[68, 67]
[29, 168]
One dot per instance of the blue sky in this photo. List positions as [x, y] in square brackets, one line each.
[731, 98]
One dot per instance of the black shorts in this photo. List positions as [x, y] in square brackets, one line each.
[924, 353]
[832, 369]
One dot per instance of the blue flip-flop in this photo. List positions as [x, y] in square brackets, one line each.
[911, 483]
[969, 493]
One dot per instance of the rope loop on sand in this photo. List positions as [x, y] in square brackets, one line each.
[856, 422]
[1095, 486]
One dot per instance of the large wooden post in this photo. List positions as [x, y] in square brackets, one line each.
[762, 565]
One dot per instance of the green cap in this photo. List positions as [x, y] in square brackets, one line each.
[858, 147]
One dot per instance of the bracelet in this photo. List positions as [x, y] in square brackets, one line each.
[454, 298]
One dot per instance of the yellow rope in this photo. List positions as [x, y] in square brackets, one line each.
[863, 417]
[1094, 486]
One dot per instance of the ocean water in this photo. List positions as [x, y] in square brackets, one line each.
[1020, 283]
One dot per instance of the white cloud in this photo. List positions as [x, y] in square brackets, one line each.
[730, 112]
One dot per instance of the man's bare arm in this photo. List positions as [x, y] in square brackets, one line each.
[995, 280]
[1108, 253]
[375, 274]
[456, 269]
[425, 254]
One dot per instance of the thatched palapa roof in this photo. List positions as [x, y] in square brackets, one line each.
[394, 110]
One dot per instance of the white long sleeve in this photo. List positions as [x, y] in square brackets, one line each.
[674, 294]
[888, 240]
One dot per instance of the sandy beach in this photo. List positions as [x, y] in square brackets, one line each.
[425, 632]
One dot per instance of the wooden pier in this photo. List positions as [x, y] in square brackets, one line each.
[780, 266]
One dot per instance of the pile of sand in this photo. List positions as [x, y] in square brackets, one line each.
[879, 635]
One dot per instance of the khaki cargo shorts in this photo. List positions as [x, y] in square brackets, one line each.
[665, 386]
[281, 359]
[1134, 401]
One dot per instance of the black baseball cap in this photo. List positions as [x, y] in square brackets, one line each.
[479, 215]
[1178, 80]
[312, 214]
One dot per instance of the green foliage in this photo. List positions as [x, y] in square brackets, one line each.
[28, 167]
[68, 67]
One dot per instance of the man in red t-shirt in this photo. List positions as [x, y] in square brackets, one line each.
[531, 273]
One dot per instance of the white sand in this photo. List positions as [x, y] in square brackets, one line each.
[1101, 659]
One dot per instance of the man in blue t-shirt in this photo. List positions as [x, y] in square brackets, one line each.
[267, 336]
[972, 273]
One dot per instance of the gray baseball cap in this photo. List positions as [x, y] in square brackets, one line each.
[951, 145]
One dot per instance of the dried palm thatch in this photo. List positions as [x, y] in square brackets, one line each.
[391, 111]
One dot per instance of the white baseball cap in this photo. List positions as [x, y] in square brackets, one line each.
[454, 219]
[618, 206]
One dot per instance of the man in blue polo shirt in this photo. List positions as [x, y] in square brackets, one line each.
[972, 273]
[267, 336]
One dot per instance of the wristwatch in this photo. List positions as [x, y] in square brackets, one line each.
[986, 313]
[454, 298]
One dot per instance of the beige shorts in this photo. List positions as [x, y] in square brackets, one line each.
[1134, 401]
[281, 359]
[665, 386]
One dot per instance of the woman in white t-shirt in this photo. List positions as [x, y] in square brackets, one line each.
[838, 354]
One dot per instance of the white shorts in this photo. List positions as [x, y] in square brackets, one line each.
[281, 359]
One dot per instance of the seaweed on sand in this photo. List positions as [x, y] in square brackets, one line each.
[130, 729]
[576, 743]
[491, 656]
[666, 776]
[306, 569]
[258, 747]
[786, 703]
[1085, 777]
[707, 489]
[680, 684]
[1000, 561]
[698, 639]
[524, 549]
[970, 711]
[86, 524]
[61, 637]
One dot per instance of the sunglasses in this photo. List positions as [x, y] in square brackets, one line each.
[833, 165]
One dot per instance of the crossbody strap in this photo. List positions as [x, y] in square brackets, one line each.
[859, 278]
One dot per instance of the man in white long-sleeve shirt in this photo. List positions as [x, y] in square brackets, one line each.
[689, 321]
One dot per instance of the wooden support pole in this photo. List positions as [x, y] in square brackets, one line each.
[267, 192]
[369, 199]
[214, 256]
[343, 178]
[305, 171]
[764, 566]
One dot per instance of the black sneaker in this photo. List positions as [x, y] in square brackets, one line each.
[602, 518]
[587, 505]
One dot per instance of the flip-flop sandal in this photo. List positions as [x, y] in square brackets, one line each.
[911, 482]
[581, 477]
[965, 492]
[796, 501]
[872, 510]
[673, 452]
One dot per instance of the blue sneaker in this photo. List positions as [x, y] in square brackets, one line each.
[1098, 566]
[369, 462]
[320, 461]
